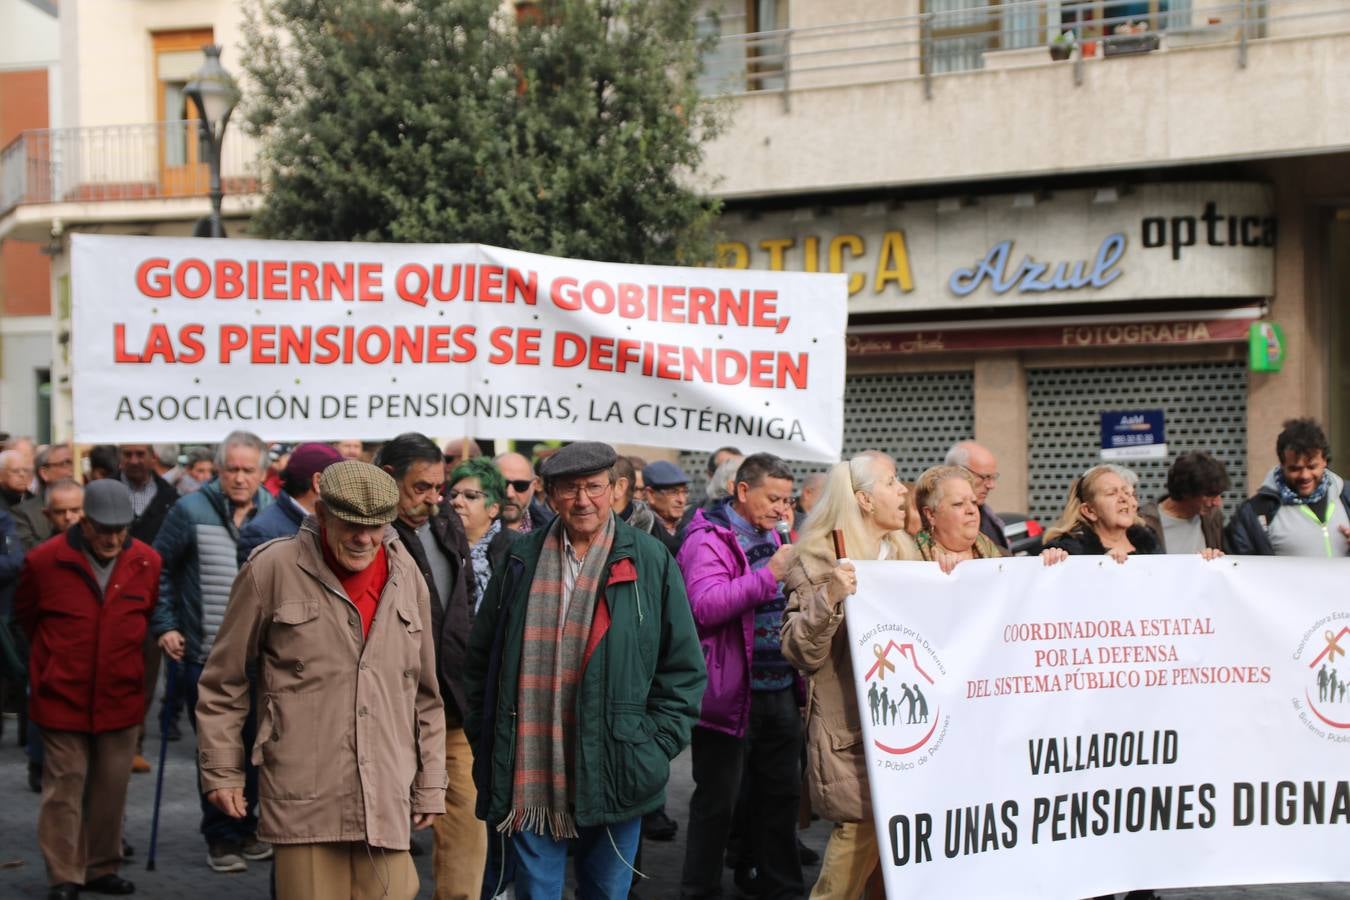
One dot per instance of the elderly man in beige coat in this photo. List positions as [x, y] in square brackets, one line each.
[351, 730]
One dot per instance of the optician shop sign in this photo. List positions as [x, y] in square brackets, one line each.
[1145, 242]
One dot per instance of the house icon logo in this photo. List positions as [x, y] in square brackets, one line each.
[902, 696]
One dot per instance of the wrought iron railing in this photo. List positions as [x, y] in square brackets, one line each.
[963, 35]
[119, 162]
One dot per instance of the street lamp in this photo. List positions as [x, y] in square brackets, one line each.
[215, 95]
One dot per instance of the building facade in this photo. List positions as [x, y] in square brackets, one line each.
[1032, 242]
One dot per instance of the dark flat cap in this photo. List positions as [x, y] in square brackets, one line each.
[581, 458]
[662, 474]
[359, 493]
[108, 502]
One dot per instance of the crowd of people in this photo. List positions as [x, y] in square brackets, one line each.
[508, 651]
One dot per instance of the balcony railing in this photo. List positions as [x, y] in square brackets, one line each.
[120, 162]
[962, 35]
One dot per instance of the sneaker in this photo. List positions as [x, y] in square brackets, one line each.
[255, 850]
[225, 856]
[139, 764]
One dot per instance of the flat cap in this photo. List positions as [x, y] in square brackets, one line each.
[108, 502]
[359, 493]
[581, 458]
[662, 474]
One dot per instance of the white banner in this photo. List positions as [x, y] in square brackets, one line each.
[1092, 727]
[182, 339]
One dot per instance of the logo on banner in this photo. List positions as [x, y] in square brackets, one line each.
[902, 695]
[1327, 689]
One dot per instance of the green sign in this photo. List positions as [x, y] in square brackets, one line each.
[1265, 347]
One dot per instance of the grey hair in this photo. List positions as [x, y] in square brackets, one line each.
[1126, 475]
[959, 455]
[717, 485]
[166, 453]
[9, 456]
[241, 439]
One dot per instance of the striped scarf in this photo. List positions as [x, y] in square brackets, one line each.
[552, 652]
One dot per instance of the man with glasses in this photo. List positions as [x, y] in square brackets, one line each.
[199, 543]
[980, 463]
[750, 727]
[433, 534]
[668, 496]
[84, 600]
[584, 679]
[522, 510]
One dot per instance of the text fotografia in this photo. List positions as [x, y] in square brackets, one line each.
[912, 838]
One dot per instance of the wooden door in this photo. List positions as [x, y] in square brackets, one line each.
[182, 154]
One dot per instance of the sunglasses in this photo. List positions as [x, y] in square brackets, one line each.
[520, 486]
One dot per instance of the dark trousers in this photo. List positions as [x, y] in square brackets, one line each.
[216, 826]
[768, 757]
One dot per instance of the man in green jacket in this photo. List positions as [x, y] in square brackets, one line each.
[583, 680]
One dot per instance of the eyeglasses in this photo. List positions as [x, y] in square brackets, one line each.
[520, 486]
[594, 490]
[992, 476]
[679, 490]
[467, 494]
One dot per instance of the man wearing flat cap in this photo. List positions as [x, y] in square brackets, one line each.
[351, 733]
[84, 599]
[583, 680]
[667, 495]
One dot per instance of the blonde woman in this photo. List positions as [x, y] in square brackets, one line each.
[945, 498]
[865, 500]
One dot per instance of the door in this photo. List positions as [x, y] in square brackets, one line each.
[182, 153]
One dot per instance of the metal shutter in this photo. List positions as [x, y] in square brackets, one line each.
[1205, 408]
[914, 417]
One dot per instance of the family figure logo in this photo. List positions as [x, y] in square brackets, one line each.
[1329, 680]
[901, 697]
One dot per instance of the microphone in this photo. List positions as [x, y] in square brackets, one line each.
[784, 531]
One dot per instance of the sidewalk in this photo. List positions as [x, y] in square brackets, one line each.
[181, 870]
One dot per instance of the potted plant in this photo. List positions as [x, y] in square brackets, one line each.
[1131, 37]
[1062, 44]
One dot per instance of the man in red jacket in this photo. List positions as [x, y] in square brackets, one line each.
[84, 600]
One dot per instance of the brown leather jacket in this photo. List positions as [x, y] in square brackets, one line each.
[351, 732]
[816, 642]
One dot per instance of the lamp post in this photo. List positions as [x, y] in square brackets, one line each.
[215, 94]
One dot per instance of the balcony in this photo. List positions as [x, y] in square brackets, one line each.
[969, 90]
[108, 164]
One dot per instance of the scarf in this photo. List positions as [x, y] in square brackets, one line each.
[482, 566]
[552, 652]
[1290, 497]
[363, 588]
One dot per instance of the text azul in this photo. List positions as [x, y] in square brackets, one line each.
[1032, 277]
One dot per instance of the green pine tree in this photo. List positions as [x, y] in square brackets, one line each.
[575, 130]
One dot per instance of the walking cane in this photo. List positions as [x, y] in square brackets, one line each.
[165, 711]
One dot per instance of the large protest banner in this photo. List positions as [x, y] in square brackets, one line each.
[1094, 727]
[184, 339]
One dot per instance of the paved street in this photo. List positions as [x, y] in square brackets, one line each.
[181, 865]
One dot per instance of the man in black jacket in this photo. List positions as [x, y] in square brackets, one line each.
[432, 533]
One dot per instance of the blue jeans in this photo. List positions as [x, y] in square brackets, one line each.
[216, 826]
[537, 865]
